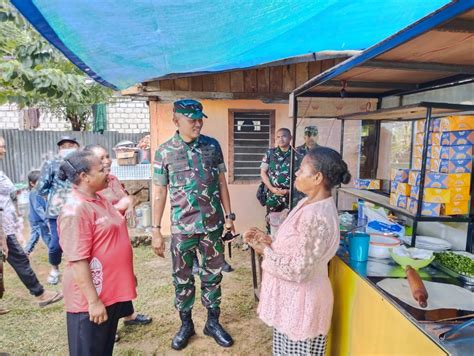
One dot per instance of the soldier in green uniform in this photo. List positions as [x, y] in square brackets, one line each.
[192, 166]
[310, 141]
[275, 172]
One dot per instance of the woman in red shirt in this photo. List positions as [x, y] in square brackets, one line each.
[99, 282]
[124, 203]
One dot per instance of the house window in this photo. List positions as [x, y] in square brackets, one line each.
[250, 136]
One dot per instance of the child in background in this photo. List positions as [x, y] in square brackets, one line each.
[36, 216]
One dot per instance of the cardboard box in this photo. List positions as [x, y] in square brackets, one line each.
[435, 138]
[420, 126]
[451, 166]
[460, 193]
[393, 186]
[428, 209]
[419, 137]
[399, 200]
[456, 208]
[435, 151]
[418, 151]
[435, 125]
[416, 163]
[414, 177]
[432, 180]
[457, 123]
[127, 158]
[403, 189]
[455, 138]
[436, 195]
[455, 152]
[367, 184]
[459, 180]
[414, 191]
[399, 175]
[436, 180]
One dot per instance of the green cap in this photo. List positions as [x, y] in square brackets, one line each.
[310, 130]
[190, 108]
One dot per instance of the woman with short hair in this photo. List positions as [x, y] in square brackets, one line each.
[124, 203]
[296, 298]
[99, 283]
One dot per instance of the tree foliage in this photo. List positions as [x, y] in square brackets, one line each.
[34, 74]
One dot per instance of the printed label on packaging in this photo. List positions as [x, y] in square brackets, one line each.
[451, 166]
[459, 180]
[457, 123]
[456, 138]
[399, 175]
[456, 208]
[456, 152]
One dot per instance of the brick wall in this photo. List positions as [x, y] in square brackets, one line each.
[10, 117]
[126, 115]
[123, 115]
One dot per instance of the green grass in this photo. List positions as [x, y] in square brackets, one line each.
[28, 330]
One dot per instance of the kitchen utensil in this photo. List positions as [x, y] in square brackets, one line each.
[417, 287]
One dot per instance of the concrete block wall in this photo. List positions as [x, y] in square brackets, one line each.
[123, 115]
[10, 117]
[127, 115]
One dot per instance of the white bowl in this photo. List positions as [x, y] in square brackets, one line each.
[380, 245]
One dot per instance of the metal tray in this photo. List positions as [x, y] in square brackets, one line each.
[464, 279]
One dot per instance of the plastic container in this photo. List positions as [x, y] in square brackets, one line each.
[380, 245]
[358, 246]
[146, 215]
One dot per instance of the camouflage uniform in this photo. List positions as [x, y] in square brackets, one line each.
[192, 172]
[54, 188]
[278, 164]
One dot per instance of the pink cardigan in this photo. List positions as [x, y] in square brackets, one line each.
[296, 296]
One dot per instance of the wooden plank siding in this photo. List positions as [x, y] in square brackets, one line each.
[265, 82]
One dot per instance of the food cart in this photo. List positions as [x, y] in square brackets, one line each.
[372, 312]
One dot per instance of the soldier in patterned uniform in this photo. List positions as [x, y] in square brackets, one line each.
[275, 172]
[56, 191]
[310, 141]
[192, 165]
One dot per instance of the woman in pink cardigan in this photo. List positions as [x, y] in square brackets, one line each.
[296, 298]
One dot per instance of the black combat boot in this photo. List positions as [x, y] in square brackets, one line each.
[214, 329]
[185, 332]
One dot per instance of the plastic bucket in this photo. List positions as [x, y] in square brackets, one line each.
[358, 246]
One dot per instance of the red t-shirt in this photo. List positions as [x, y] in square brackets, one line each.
[114, 191]
[93, 230]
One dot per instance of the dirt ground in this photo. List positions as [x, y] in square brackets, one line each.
[28, 329]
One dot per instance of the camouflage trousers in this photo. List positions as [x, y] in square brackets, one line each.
[183, 250]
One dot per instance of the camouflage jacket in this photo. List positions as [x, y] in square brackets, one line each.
[192, 173]
[278, 164]
[53, 188]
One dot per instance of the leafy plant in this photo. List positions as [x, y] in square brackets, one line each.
[34, 74]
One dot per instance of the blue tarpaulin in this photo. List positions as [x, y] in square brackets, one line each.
[121, 42]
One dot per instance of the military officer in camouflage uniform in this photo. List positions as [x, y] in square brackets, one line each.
[192, 165]
[275, 172]
[310, 141]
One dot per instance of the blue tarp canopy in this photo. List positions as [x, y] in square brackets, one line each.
[121, 42]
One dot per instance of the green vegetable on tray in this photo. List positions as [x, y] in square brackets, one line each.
[458, 263]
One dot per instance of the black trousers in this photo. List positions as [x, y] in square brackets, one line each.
[86, 338]
[21, 264]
